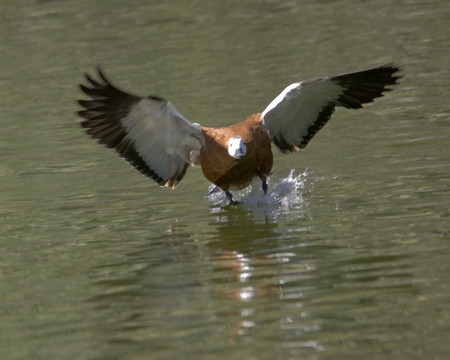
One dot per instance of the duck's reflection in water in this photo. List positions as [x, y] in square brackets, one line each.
[251, 268]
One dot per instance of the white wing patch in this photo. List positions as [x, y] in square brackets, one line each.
[162, 136]
[297, 107]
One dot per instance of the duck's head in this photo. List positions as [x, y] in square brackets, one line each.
[237, 147]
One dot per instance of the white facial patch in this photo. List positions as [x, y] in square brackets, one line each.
[236, 147]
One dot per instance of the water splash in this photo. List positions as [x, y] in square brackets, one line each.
[284, 194]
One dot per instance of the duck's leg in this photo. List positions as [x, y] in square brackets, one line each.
[230, 198]
[265, 187]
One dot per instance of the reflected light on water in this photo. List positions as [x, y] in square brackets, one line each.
[249, 284]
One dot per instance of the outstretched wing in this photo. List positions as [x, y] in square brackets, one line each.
[302, 109]
[149, 132]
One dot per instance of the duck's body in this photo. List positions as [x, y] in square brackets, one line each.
[160, 143]
[230, 173]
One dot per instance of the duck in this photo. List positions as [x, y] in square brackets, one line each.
[158, 141]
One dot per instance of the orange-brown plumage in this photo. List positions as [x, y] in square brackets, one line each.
[227, 172]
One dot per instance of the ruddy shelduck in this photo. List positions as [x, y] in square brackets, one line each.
[150, 133]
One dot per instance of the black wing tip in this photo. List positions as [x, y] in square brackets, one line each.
[102, 90]
[392, 66]
[94, 83]
[389, 70]
[363, 87]
[392, 69]
[102, 75]
[84, 103]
